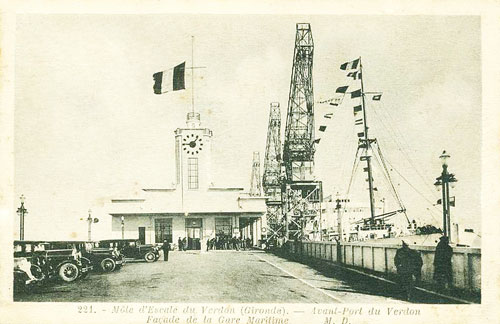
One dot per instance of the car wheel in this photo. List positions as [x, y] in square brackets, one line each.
[37, 272]
[68, 272]
[108, 265]
[150, 257]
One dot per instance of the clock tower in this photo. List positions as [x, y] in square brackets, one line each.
[192, 155]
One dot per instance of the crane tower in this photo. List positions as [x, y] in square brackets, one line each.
[255, 187]
[272, 172]
[301, 193]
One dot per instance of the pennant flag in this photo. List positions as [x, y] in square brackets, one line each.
[357, 109]
[170, 80]
[375, 188]
[361, 134]
[452, 201]
[365, 169]
[328, 116]
[334, 101]
[350, 65]
[316, 141]
[356, 75]
[377, 97]
[358, 121]
[356, 94]
[322, 128]
[341, 89]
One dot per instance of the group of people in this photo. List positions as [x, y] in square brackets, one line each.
[226, 242]
[409, 266]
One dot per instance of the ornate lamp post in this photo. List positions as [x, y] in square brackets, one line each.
[90, 220]
[123, 227]
[443, 183]
[21, 211]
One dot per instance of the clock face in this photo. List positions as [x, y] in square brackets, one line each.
[192, 144]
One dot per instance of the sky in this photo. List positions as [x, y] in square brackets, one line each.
[88, 127]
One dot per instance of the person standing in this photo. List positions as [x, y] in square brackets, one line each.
[166, 248]
[417, 263]
[442, 263]
[184, 244]
[405, 268]
[179, 244]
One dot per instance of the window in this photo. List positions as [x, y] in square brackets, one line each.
[192, 173]
[163, 230]
[223, 226]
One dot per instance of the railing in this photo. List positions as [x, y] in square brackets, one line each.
[466, 262]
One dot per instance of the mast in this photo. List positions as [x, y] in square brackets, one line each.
[367, 157]
[192, 74]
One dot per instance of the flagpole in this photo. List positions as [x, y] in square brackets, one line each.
[367, 142]
[192, 74]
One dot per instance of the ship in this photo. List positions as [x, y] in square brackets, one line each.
[379, 223]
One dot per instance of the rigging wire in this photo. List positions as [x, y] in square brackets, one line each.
[411, 185]
[383, 159]
[404, 152]
[387, 178]
[354, 168]
[397, 135]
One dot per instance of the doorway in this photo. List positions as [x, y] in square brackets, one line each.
[194, 227]
[142, 235]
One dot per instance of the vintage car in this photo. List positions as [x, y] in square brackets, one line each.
[65, 263]
[132, 248]
[26, 274]
[102, 258]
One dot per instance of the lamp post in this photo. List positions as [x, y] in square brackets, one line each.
[89, 221]
[21, 211]
[123, 227]
[443, 183]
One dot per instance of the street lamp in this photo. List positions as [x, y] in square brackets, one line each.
[443, 183]
[90, 220]
[21, 211]
[123, 227]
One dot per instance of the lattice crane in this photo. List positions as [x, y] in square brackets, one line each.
[301, 193]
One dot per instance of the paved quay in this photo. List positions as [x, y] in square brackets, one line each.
[223, 276]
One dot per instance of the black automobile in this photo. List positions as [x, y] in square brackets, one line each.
[132, 248]
[104, 259]
[65, 263]
[26, 273]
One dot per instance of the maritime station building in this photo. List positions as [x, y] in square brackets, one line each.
[193, 208]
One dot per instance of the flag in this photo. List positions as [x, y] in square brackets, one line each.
[322, 128]
[350, 65]
[170, 80]
[357, 109]
[336, 101]
[328, 116]
[361, 134]
[358, 121]
[365, 169]
[356, 94]
[316, 141]
[377, 97]
[438, 202]
[356, 75]
[341, 89]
